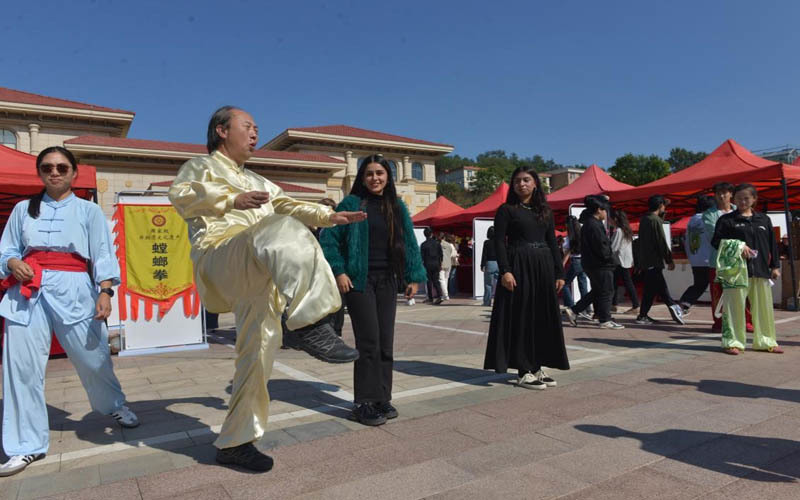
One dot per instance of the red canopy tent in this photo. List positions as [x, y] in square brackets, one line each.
[730, 162]
[796, 161]
[594, 180]
[440, 208]
[462, 221]
[19, 180]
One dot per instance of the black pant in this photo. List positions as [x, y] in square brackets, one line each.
[654, 284]
[372, 312]
[433, 283]
[338, 319]
[627, 280]
[699, 286]
[602, 281]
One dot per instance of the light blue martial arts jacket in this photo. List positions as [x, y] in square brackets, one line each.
[72, 225]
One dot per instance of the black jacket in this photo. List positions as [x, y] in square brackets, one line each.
[432, 254]
[654, 250]
[756, 232]
[596, 251]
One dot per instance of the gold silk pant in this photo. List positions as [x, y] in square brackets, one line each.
[255, 274]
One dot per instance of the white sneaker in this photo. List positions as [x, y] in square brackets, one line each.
[411, 302]
[126, 417]
[17, 464]
[571, 316]
[544, 378]
[529, 381]
[677, 314]
[611, 325]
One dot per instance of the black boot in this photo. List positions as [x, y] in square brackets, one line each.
[245, 455]
[320, 341]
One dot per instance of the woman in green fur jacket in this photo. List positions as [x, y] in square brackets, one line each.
[370, 259]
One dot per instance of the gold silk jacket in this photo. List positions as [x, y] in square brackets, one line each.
[204, 191]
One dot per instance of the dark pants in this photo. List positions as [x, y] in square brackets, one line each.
[433, 284]
[338, 319]
[654, 284]
[574, 270]
[602, 281]
[627, 280]
[699, 286]
[372, 313]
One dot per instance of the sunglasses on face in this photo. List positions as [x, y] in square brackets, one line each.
[62, 168]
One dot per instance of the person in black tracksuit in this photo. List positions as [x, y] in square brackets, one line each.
[599, 263]
[432, 255]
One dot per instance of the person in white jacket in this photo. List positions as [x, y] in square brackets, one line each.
[622, 246]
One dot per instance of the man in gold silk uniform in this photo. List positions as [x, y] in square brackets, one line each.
[254, 255]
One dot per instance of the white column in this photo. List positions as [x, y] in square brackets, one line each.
[406, 168]
[33, 129]
[352, 163]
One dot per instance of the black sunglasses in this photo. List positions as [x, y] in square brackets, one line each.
[47, 168]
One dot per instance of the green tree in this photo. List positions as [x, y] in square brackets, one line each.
[452, 162]
[639, 169]
[457, 194]
[680, 158]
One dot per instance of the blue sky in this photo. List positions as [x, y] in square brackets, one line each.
[576, 81]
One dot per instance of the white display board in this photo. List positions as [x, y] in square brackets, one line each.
[419, 232]
[778, 219]
[479, 229]
[174, 331]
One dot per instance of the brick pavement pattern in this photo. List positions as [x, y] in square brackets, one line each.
[646, 412]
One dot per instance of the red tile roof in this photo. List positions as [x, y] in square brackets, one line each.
[11, 95]
[347, 131]
[117, 142]
[289, 188]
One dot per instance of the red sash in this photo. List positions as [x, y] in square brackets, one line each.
[38, 260]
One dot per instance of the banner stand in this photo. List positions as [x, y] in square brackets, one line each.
[154, 324]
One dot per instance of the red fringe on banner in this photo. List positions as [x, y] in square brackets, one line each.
[191, 299]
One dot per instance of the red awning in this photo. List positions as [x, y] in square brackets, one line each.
[19, 180]
[440, 208]
[730, 162]
[594, 180]
[487, 208]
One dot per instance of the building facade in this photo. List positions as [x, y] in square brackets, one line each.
[463, 176]
[308, 163]
[563, 177]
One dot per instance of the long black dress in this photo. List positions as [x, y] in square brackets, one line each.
[525, 332]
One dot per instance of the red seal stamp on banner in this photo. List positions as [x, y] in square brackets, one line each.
[158, 220]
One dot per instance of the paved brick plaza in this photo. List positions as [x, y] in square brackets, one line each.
[645, 412]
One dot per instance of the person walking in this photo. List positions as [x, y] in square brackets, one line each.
[747, 235]
[431, 251]
[525, 330]
[599, 262]
[697, 243]
[57, 266]
[654, 252]
[489, 267]
[622, 246]
[447, 265]
[371, 260]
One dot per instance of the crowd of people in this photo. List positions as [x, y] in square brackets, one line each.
[254, 255]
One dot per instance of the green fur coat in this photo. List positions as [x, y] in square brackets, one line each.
[347, 247]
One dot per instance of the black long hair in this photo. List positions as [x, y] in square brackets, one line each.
[574, 234]
[539, 207]
[390, 208]
[621, 221]
[36, 200]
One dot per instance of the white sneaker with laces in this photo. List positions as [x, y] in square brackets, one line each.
[411, 301]
[611, 325]
[125, 417]
[17, 464]
[544, 378]
[529, 381]
[677, 314]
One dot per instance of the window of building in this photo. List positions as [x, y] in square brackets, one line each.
[8, 138]
[416, 171]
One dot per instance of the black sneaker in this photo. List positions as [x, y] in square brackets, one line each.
[322, 343]
[387, 409]
[245, 455]
[367, 414]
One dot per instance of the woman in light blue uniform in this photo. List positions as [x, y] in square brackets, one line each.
[58, 263]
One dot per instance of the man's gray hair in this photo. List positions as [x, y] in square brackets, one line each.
[222, 116]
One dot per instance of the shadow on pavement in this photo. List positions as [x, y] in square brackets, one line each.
[645, 344]
[758, 458]
[444, 372]
[735, 389]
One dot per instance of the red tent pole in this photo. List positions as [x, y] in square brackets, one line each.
[793, 305]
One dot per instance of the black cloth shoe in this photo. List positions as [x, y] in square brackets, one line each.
[321, 342]
[245, 455]
[387, 409]
[367, 414]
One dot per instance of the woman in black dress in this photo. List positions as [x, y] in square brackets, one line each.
[525, 332]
